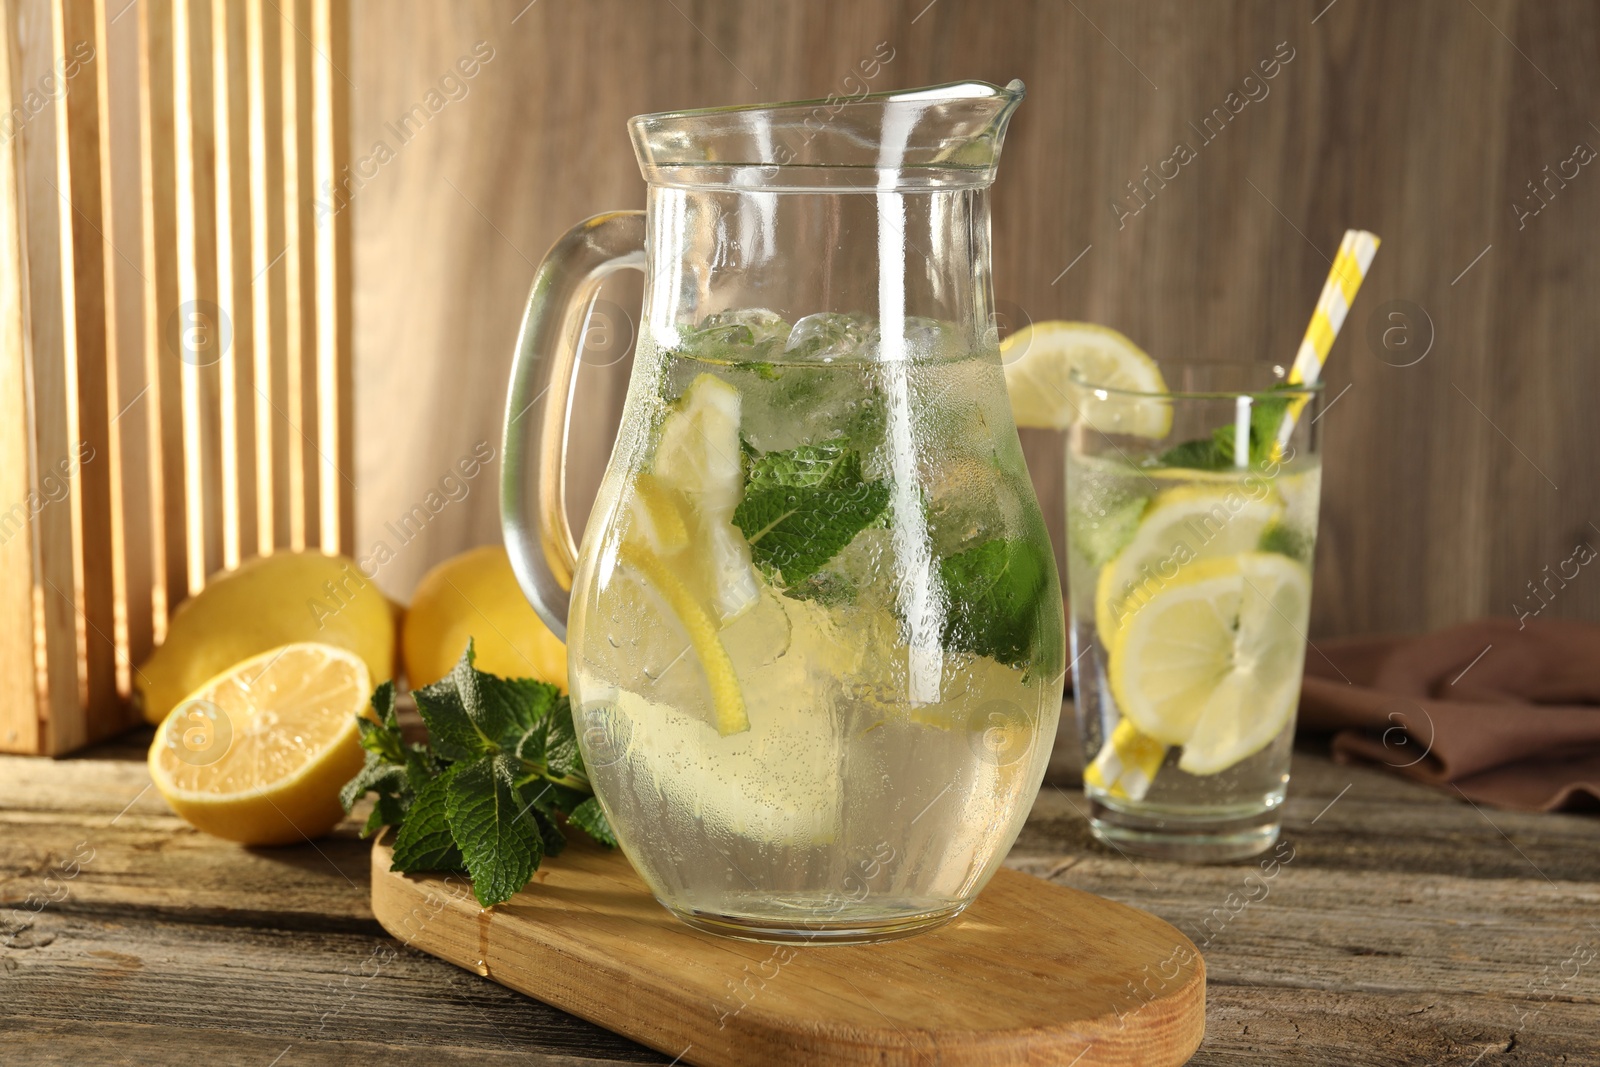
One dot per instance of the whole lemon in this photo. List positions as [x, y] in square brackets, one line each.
[267, 602]
[475, 595]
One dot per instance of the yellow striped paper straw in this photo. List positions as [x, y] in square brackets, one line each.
[1349, 270]
[1127, 763]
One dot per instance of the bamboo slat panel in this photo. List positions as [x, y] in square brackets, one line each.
[174, 329]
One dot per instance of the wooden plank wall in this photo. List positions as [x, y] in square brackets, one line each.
[174, 328]
[1450, 484]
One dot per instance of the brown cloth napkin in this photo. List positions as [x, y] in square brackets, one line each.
[1509, 714]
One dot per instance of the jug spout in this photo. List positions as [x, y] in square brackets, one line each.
[940, 137]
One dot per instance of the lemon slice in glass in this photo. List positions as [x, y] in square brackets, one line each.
[258, 754]
[1040, 360]
[1213, 661]
[1178, 528]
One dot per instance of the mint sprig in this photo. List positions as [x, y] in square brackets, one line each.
[994, 592]
[487, 793]
[802, 506]
[1217, 452]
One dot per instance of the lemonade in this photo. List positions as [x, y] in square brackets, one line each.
[1143, 533]
[1189, 560]
[815, 634]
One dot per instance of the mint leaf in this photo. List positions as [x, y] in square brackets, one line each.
[422, 766]
[1200, 454]
[392, 786]
[765, 371]
[826, 588]
[1218, 453]
[424, 841]
[451, 728]
[537, 799]
[1266, 419]
[555, 842]
[1286, 541]
[590, 817]
[498, 838]
[382, 738]
[494, 706]
[375, 776]
[520, 704]
[488, 793]
[388, 811]
[802, 506]
[1099, 537]
[994, 592]
[562, 758]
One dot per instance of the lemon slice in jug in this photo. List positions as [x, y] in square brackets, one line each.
[687, 499]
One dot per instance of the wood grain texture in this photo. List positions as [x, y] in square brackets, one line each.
[19, 693]
[194, 326]
[236, 367]
[52, 398]
[88, 283]
[299, 263]
[1407, 928]
[1029, 974]
[132, 544]
[83, 283]
[1448, 484]
[158, 181]
[330, 89]
[264, 72]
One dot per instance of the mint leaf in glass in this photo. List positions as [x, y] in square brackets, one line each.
[803, 505]
[1200, 454]
[994, 592]
[1287, 541]
[1099, 535]
[1216, 452]
[736, 335]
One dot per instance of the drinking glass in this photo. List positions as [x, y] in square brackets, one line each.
[1191, 523]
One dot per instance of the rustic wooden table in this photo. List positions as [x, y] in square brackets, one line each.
[1407, 928]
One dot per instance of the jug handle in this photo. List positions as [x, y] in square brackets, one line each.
[533, 511]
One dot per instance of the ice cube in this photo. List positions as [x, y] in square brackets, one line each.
[931, 339]
[737, 334]
[827, 336]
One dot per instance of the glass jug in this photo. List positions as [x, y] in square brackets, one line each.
[814, 632]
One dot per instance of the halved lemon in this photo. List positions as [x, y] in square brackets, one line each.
[258, 754]
[1039, 361]
[1213, 661]
[1179, 528]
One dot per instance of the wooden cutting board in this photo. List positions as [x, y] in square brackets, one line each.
[1033, 973]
